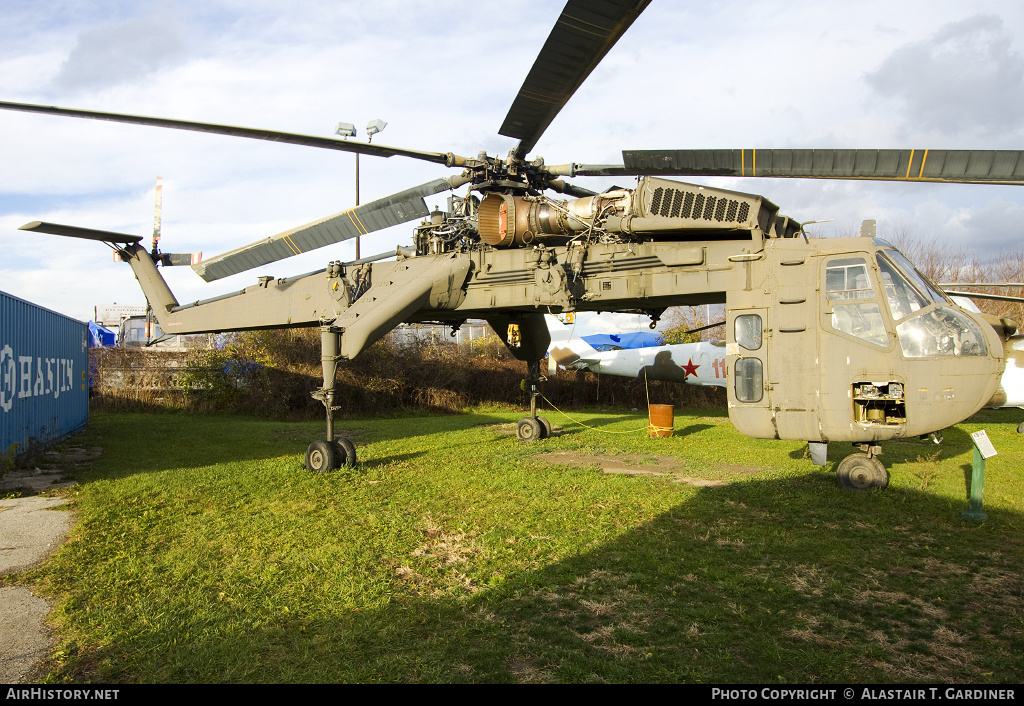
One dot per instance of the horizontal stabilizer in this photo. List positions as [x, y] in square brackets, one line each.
[383, 213]
[75, 232]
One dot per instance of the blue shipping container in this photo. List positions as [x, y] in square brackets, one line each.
[44, 395]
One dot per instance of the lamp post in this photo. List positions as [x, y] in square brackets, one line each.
[347, 130]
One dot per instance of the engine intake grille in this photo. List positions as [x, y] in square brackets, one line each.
[676, 203]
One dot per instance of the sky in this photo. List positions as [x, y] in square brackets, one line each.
[755, 74]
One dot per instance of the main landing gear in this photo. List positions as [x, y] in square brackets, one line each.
[533, 427]
[863, 471]
[325, 455]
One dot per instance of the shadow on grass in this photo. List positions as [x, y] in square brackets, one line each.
[767, 581]
[692, 429]
[201, 440]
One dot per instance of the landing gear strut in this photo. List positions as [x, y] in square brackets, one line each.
[324, 455]
[863, 471]
[533, 427]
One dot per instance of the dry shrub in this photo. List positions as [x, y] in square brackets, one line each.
[944, 262]
[272, 373]
[135, 379]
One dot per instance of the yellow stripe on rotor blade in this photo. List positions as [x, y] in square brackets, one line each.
[291, 244]
[356, 215]
[355, 222]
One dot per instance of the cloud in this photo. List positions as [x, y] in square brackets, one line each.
[122, 52]
[964, 80]
[998, 226]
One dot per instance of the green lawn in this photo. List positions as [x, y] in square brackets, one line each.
[453, 552]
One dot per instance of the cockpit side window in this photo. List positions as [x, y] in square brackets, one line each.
[848, 279]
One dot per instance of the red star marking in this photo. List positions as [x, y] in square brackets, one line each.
[689, 369]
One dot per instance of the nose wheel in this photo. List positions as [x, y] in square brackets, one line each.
[862, 472]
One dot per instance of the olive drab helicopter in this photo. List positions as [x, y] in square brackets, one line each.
[827, 340]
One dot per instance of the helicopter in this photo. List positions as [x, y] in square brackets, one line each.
[827, 341]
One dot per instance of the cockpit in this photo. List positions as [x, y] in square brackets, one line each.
[926, 323]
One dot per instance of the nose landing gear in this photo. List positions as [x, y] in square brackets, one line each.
[863, 471]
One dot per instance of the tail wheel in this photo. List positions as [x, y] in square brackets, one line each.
[862, 472]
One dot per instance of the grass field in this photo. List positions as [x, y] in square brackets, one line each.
[453, 552]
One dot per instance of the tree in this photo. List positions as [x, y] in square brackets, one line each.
[943, 262]
[682, 321]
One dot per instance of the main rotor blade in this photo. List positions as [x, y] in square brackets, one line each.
[954, 166]
[251, 133]
[564, 187]
[383, 213]
[581, 37]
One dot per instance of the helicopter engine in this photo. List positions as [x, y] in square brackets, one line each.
[655, 209]
[509, 221]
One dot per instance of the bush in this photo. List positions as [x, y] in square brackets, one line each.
[272, 373]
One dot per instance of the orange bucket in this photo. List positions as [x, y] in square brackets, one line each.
[660, 420]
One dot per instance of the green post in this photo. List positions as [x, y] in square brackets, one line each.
[977, 489]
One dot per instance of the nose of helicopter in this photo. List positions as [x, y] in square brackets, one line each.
[1010, 392]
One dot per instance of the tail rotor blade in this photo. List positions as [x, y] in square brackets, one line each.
[179, 259]
[157, 213]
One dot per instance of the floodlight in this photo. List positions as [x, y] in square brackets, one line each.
[375, 126]
[346, 130]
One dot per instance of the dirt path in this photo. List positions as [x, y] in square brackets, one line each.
[30, 531]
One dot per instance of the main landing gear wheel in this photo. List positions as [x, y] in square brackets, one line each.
[545, 427]
[529, 429]
[321, 457]
[862, 472]
[344, 452]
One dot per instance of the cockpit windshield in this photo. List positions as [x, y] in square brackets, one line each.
[921, 283]
[903, 297]
[940, 331]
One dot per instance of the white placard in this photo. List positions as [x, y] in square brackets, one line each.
[983, 443]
